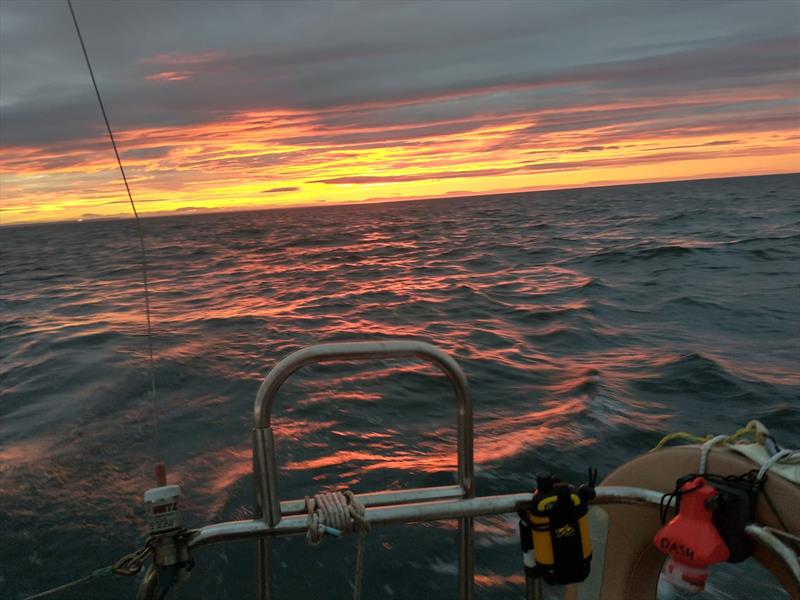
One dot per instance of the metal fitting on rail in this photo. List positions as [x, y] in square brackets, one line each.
[168, 538]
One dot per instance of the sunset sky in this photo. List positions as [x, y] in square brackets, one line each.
[255, 104]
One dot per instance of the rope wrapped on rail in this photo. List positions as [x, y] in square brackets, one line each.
[337, 514]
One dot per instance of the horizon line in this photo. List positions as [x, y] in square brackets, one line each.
[183, 212]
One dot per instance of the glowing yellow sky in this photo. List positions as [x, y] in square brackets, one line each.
[226, 165]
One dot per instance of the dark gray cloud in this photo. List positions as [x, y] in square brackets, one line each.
[419, 64]
[279, 190]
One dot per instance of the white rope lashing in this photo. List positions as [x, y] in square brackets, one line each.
[706, 450]
[337, 514]
[778, 456]
[775, 458]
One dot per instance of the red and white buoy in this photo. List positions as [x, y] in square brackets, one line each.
[690, 539]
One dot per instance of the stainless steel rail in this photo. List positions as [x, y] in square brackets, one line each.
[409, 513]
[460, 508]
[272, 513]
[762, 535]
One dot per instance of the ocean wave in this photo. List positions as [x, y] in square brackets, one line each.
[641, 252]
[589, 324]
[701, 376]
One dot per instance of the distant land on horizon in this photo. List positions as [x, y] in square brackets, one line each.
[188, 212]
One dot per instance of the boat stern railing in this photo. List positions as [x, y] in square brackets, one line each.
[271, 509]
[275, 517]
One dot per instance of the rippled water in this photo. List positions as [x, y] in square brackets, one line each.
[683, 296]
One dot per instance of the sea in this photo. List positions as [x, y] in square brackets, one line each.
[589, 322]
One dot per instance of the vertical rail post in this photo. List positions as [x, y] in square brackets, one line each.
[534, 588]
[263, 545]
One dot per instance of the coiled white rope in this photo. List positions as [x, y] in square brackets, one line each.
[337, 514]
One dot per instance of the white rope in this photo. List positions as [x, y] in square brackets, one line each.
[784, 534]
[706, 450]
[771, 461]
[337, 514]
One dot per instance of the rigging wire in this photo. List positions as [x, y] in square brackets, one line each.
[145, 280]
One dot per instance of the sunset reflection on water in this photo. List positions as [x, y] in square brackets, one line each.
[588, 322]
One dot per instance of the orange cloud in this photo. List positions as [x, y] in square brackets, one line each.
[169, 76]
[354, 153]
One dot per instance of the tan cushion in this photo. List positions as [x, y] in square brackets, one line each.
[632, 563]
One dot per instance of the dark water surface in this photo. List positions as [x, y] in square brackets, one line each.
[684, 296]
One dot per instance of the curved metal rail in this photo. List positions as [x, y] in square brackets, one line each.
[264, 444]
[269, 508]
